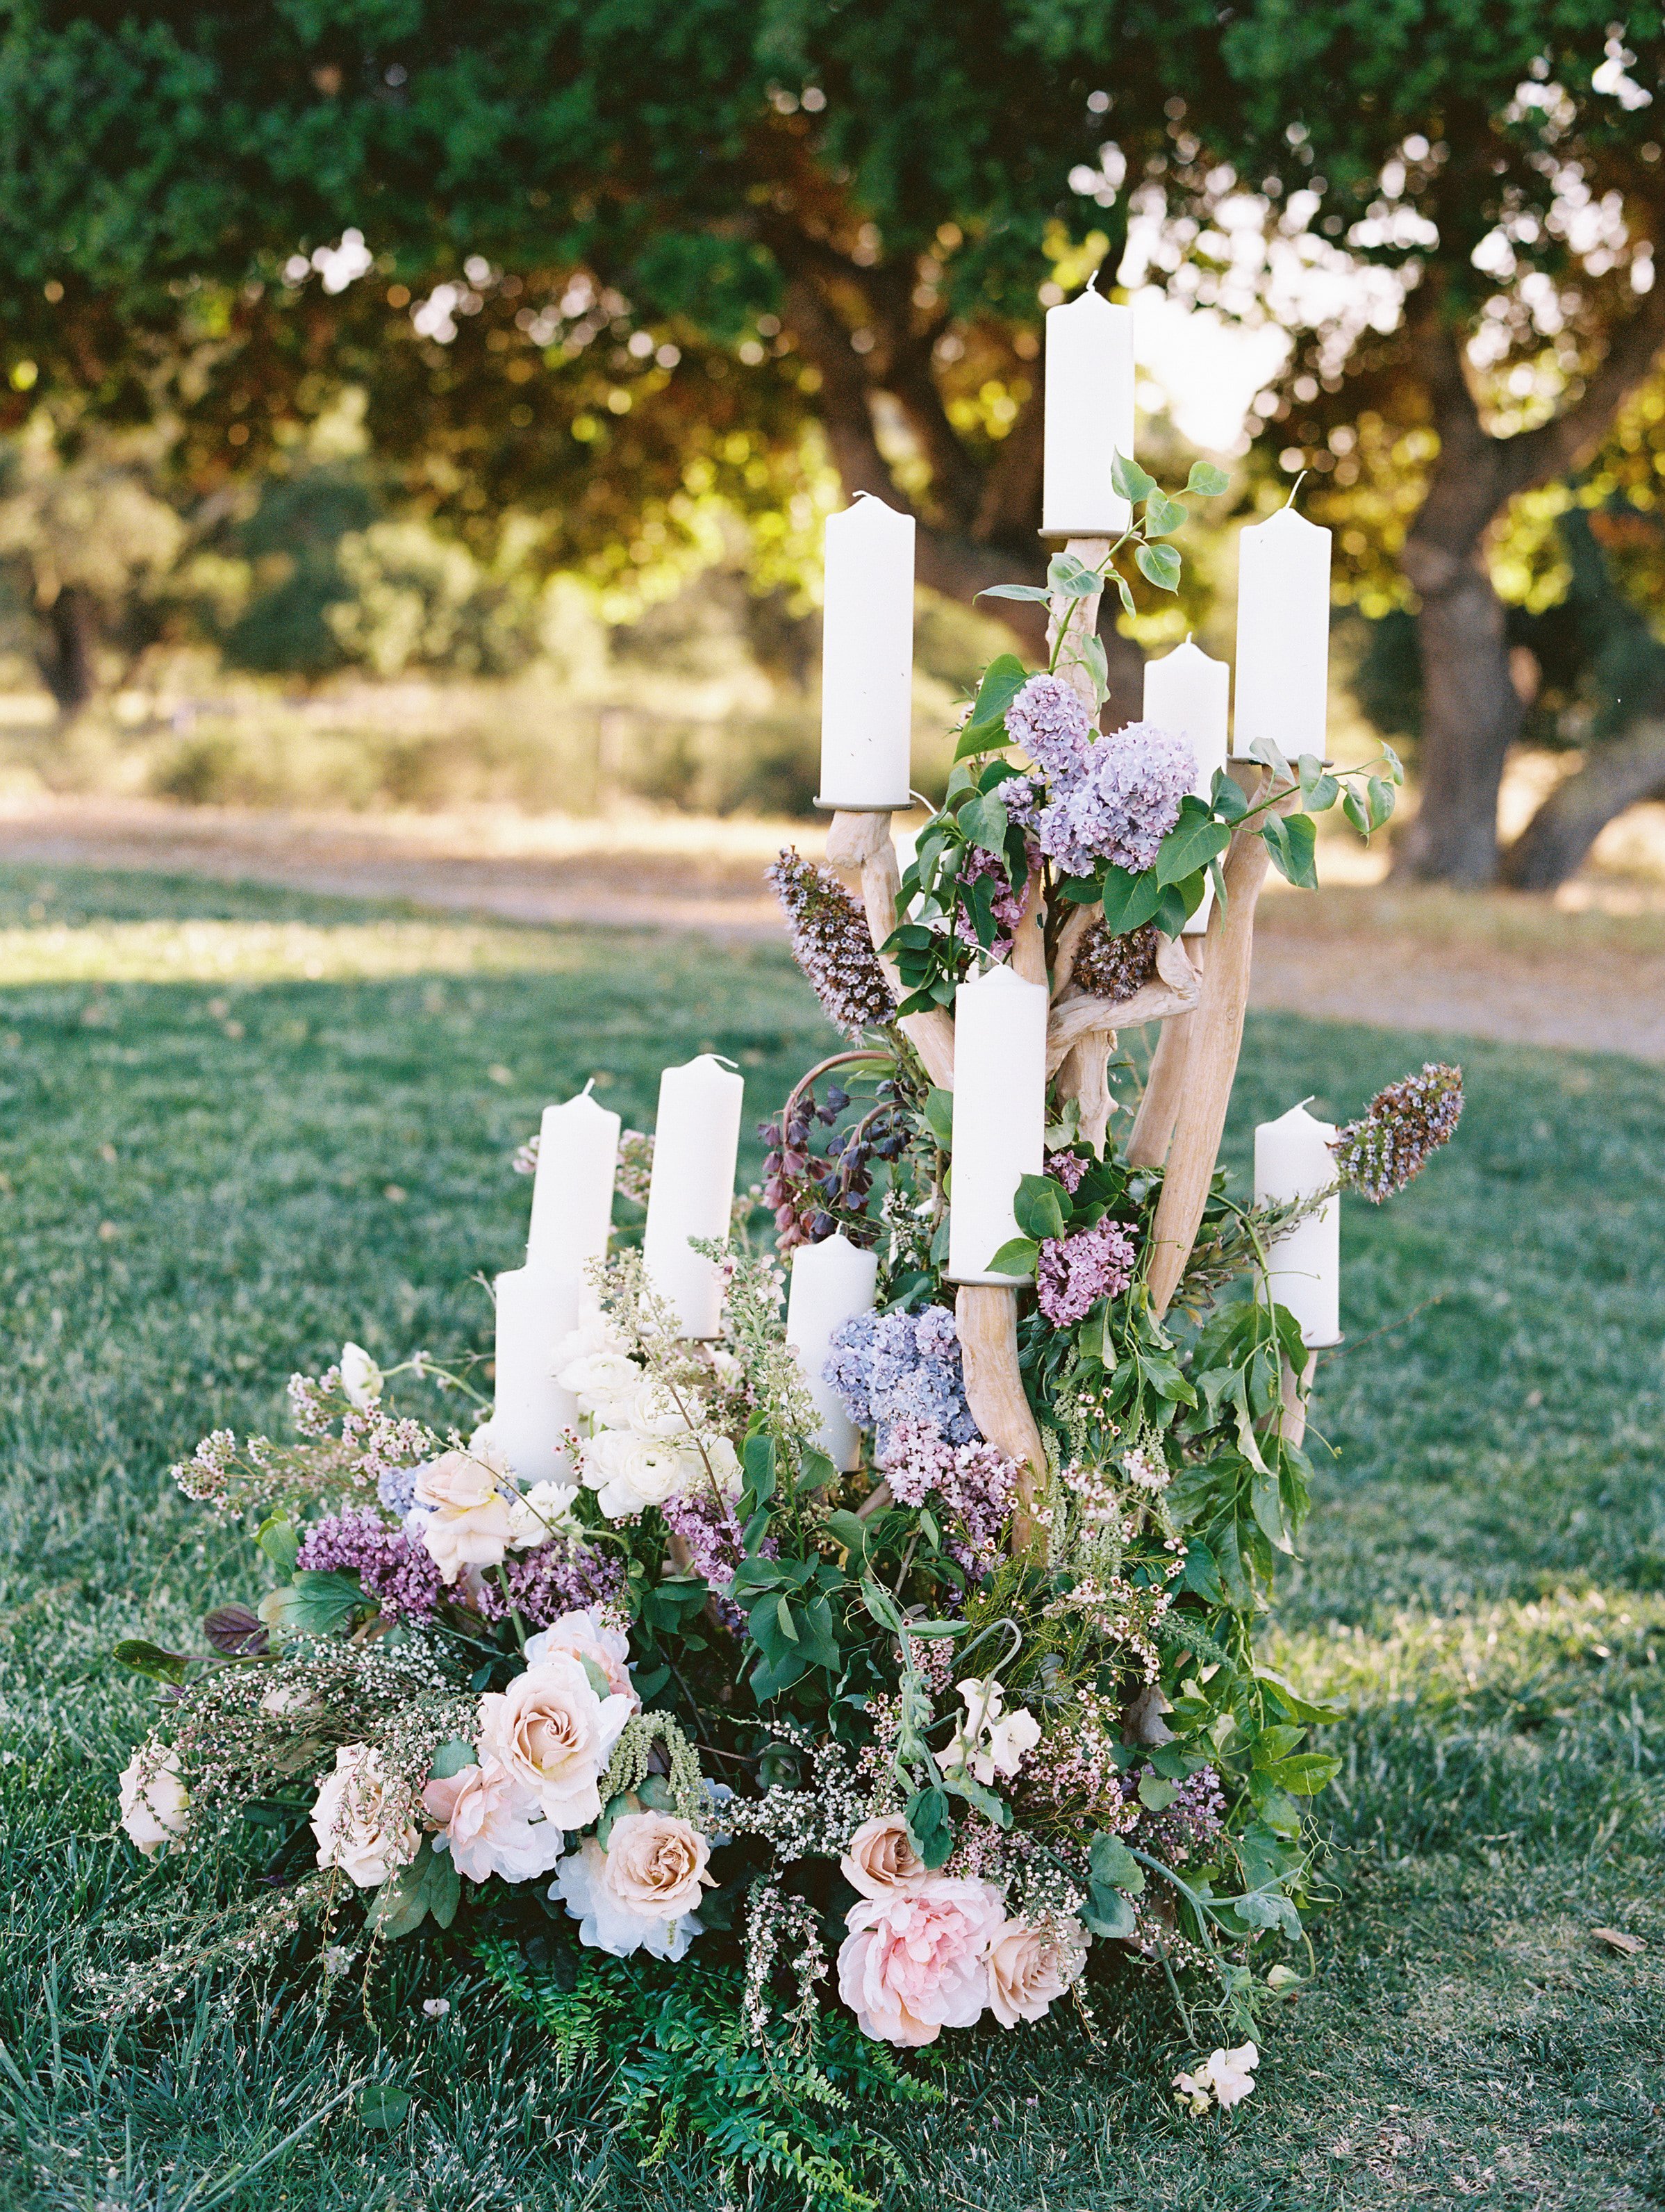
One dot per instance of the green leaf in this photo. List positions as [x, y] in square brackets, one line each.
[452, 1758]
[146, 1658]
[852, 1533]
[1039, 1206]
[279, 1540]
[1394, 764]
[1079, 890]
[1206, 480]
[1276, 1742]
[929, 1827]
[985, 822]
[1194, 839]
[1096, 661]
[428, 1888]
[1266, 1908]
[1107, 1913]
[815, 1470]
[1071, 577]
[1154, 1794]
[1358, 813]
[1115, 1865]
[1003, 679]
[1125, 595]
[1267, 1505]
[1227, 797]
[1200, 1575]
[314, 1604]
[1293, 842]
[1163, 514]
[758, 1458]
[1129, 901]
[1305, 1775]
[381, 2105]
[1129, 479]
[1017, 1257]
[787, 1625]
[882, 1606]
[1380, 798]
[1031, 594]
[1158, 565]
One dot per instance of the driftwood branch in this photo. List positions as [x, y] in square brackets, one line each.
[861, 842]
[987, 1316]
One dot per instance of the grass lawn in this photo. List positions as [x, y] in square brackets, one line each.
[239, 1125]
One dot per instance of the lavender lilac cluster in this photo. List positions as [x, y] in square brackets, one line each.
[899, 1375]
[1006, 905]
[1189, 1824]
[544, 1585]
[1402, 1126]
[1073, 1272]
[831, 944]
[1109, 799]
[400, 1576]
[976, 1481]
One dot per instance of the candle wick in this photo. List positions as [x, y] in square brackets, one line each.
[1296, 487]
[1093, 281]
[587, 1089]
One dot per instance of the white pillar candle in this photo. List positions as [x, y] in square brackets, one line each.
[696, 1142]
[572, 1199]
[1283, 635]
[537, 1307]
[867, 658]
[1293, 1159]
[832, 1282]
[999, 1115]
[1187, 693]
[1088, 415]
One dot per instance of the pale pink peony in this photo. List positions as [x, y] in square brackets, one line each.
[917, 1962]
[155, 1806]
[1029, 1966]
[493, 1825]
[880, 1860]
[472, 1522]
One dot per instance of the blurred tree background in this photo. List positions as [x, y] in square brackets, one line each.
[375, 335]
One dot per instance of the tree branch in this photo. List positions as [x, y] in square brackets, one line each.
[1567, 440]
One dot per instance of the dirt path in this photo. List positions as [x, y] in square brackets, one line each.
[1484, 966]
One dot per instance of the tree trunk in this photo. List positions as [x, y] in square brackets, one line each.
[1471, 716]
[1616, 775]
[67, 654]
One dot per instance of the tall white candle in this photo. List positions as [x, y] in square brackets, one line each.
[537, 1307]
[867, 658]
[1283, 633]
[832, 1282]
[1187, 692]
[696, 1142]
[1088, 415]
[572, 1199]
[1292, 1159]
[999, 1115]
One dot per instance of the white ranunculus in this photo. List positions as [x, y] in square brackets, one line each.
[629, 1472]
[360, 1378]
[544, 1513]
[357, 1825]
[582, 1636]
[493, 1823]
[604, 1383]
[155, 1803]
[595, 1332]
[554, 1735]
[653, 1411]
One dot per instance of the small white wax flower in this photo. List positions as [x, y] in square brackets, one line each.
[360, 1378]
[337, 1960]
[436, 2007]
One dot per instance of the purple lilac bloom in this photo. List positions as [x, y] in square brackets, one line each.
[400, 1576]
[1122, 804]
[1073, 1272]
[547, 1583]
[1188, 1824]
[974, 1480]
[1050, 722]
[1068, 1167]
[1006, 905]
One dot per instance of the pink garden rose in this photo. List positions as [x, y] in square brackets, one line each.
[1029, 1966]
[880, 1860]
[916, 1961]
[492, 1824]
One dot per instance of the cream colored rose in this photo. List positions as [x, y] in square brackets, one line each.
[492, 1825]
[554, 1736]
[583, 1636]
[472, 1517]
[1029, 1966]
[879, 1859]
[354, 1821]
[155, 1803]
[656, 1865]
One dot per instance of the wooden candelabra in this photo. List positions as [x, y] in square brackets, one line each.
[1179, 1122]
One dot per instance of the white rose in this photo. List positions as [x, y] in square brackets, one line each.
[472, 1521]
[582, 1637]
[355, 1823]
[639, 1894]
[155, 1803]
[541, 1514]
[492, 1825]
[603, 1382]
[554, 1736]
[628, 1471]
[360, 1378]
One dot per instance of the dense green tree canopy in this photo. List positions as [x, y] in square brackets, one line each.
[668, 237]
